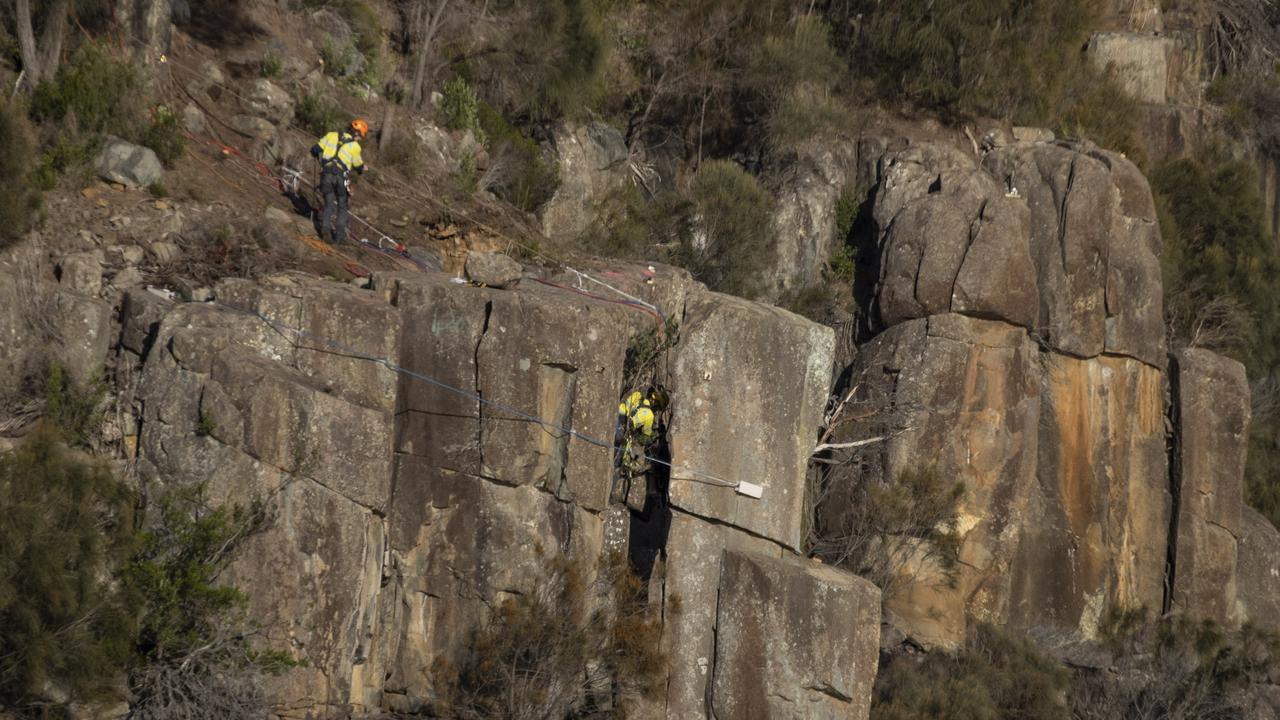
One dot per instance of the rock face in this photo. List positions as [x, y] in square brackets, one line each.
[754, 380]
[1213, 424]
[1258, 571]
[128, 164]
[592, 161]
[1024, 358]
[806, 193]
[406, 509]
[1069, 234]
[1143, 63]
[792, 638]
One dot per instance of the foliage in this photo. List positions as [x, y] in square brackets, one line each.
[20, 206]
[72, 408]
[843, 262]
[65, 627]
[271, 65]
[795, 73]
[402, 151]
[557, 53]
[890, 533]
[1174, 668]
[730, 229]
[518, 171]
[164, 135]
[461, 108]
[94, 92]
[645, 350]
[318, 113]
[996, 676]
[582, 639]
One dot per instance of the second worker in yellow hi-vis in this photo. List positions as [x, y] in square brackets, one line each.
[339, 156]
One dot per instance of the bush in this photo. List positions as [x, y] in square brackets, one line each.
[461, 108]
[518, 171]
[93, 93]
[66, 628]
[73, 409]
[582, 639]
[20, 206]
[997, 676]
[318, 114]
[1175, 668]
[881, 530]
[164, 136]
[730, 229]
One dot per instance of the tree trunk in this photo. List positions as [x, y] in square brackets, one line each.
[54, 33]
[387, 127]
[27, 45]
[429, 25]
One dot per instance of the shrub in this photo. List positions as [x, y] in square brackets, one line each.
[164, 136]
[881, 530]
[520, 174]
[20, 206]
[318, 113]
[996, 676]
[95, 93]
[1175, 668]
[65, 627]
[730, 229]
[73, 409]
[271, 65]
[461, 108]
[581, 639]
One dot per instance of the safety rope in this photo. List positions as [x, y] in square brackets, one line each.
[346, 351]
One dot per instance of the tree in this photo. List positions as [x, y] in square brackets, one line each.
[40, 62]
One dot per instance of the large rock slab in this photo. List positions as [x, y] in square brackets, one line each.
[694, 549]
[1258, 571]
[592, 164]
[1212, 396]
[1058, 238]
[1144, 64]
[794, 639]
[223, 407]
[806, 191]
[1065, 508]
[1102, 504]
[749, 386]
[459, 544]
[537, 353]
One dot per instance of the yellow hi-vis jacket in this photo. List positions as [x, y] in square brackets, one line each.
[636, 408]
[340, 148]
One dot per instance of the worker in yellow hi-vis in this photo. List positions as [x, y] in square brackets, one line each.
[638, 417]
[339, 155]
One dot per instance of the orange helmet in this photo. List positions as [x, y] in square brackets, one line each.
[360, 126]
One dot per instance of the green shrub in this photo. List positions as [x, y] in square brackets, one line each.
[164, 136]
[560, 54]
[72, 408]
[843, 262]
[318, 114]
[64, 624]
[730, 229]
[20, 206]
[461, 108]
[341, 58]
[271, 65]
[996, 676]
[95, 93]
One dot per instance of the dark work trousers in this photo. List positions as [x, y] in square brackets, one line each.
[333, 186]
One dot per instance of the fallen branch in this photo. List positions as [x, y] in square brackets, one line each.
[842, 446]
